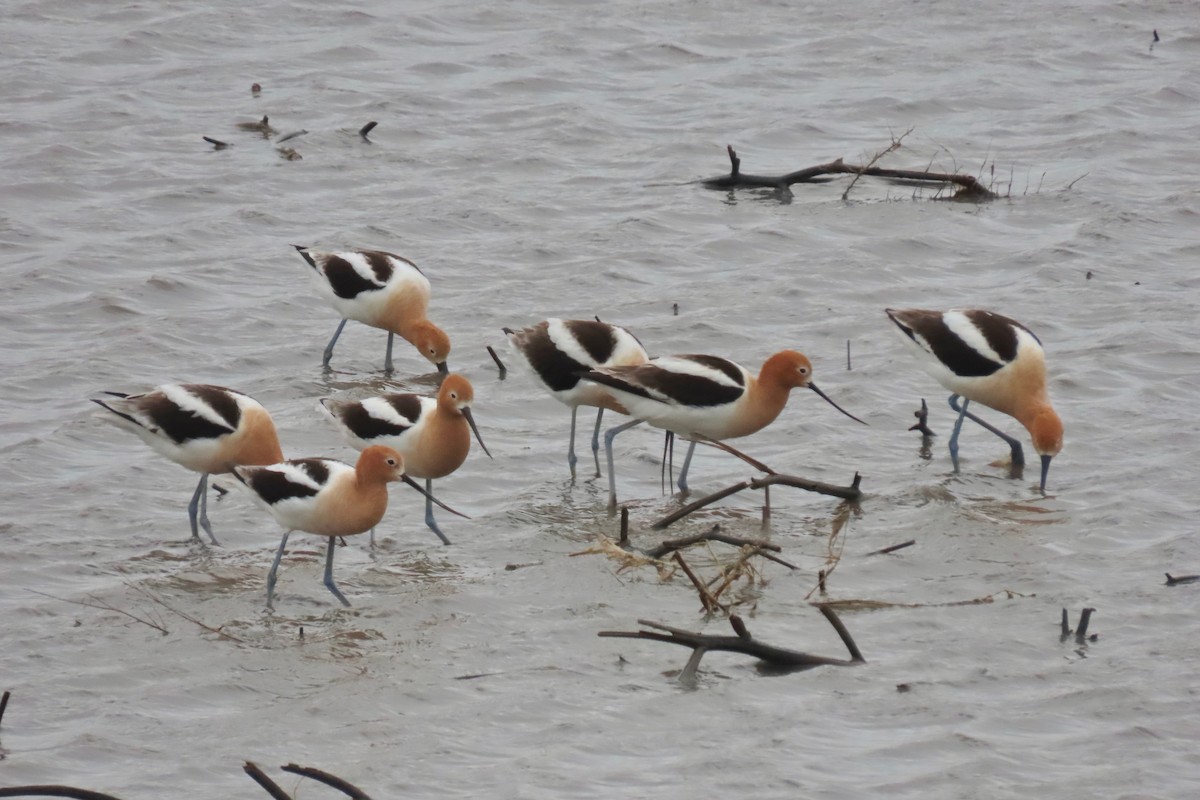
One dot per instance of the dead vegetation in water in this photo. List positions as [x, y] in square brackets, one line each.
[955, 185]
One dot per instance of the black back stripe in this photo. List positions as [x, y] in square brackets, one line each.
[179, 424]
[721, 365]
[605, 379]
[316, 469]
[595, 337]
[929, 329]
[557, 370]
[406, 405]
[345, 280]
[380, 263]
[274, 486]
[688, 390]
[220, 400]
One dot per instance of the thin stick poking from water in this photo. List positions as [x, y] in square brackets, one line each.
[263, 780]
[4, 704]
[365, 129]
[329, 779]
[499, 363]
[893, 548]
[847, 355]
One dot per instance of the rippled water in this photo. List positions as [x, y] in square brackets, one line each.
[535, 159]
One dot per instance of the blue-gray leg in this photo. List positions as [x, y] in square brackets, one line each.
[596, 441]
[962, 413]
[609, 435]
[429, 520]
[1018, 453]
[329, 584]
[571, 459]
[387, 359]
[332, 342]
[687, 462]
[275, 568]
[198, 511]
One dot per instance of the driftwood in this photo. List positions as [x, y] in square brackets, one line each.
[262, 779]
[343, 786]
[499, 364]
[744, 643]
[365, 129]
[1172, 580]
[970, 188]
[4, 704]
[851, 492]
[892, 548]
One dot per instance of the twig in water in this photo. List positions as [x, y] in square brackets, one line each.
[292, 135]
[624, 540]
[365, 129]
[104, 605]
[851, 492]
[343, 786]
[4, 704]
[710, 603]
[1176, 581]
[893, 548]
[263, 780]
[893, 147]
[847, 355]
[922, 420]
[216, 143]
[158, 600]
[1077, 180]
[1084, 618]
[500, 364]
[47, 790]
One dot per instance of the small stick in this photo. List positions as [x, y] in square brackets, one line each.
[365, 129]
[624, 540]
[847, 355]
[216, 143]
[893, 548]
[1066, 624]
[766, 515]
[821, 581]
[922, 420]
[292, 135]
[710, 605]
[47, 790]
[261, 778]
[675, 309]
[847, 639]
[4, 704]
[1175, 581]
[343, 786]
[1084, 618]
[499, 363]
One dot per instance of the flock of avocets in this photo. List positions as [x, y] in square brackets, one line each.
[978, 355]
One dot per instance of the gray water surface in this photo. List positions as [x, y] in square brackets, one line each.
[535, 160]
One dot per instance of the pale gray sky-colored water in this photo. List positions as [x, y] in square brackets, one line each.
[534, 159]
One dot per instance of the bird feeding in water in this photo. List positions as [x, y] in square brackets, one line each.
[432, 433]
[704, 397]
[204, 428]
[382, 290]
[991, 359]
[559, 351]
[327, 498]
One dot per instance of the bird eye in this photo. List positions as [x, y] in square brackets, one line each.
[454, 395]
[391, 462]
[804, 370]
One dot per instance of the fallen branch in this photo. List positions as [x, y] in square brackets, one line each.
[1176, 581]
[499, 363]
[4, 704]
[345, 787]
[1081, 636]
[969, 188]
[743, 643]
[710, 602]
[893, 147]
[155, 599]
[216, 143]
[365, 129]
[851, 492]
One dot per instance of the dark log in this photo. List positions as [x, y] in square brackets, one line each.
[712, 535]
[53, 791]
[261, 778]
[744, 643]
[1084, 618]
[343, 786]
[1171, 580]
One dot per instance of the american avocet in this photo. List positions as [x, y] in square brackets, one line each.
[701, 396]
[204, 428]
[381, 290]
[327, 498]
[994, 360]
[558, 351]
[433, 434]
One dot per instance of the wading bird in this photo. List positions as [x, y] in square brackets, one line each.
[432, 433]
[206, 429]
[993, 360]
[702, 396]
[381, 290]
